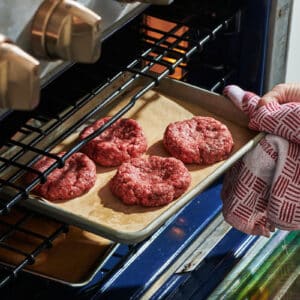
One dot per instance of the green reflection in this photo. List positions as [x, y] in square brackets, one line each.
[271, 273]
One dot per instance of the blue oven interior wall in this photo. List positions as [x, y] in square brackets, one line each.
[132, 281]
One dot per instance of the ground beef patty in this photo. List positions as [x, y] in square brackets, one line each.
[123, 140]
[200, 140]
[152, 181]
[76, 177]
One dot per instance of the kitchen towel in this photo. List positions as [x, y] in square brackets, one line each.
[261, 191]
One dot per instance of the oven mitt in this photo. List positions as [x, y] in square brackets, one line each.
[261, 191]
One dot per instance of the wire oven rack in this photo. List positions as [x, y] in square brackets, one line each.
[20, 151]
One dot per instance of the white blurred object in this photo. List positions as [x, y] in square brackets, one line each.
[293, 56]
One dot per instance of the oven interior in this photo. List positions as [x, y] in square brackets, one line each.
[204, 43]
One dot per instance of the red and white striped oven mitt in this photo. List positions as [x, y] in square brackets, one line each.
[261, 191]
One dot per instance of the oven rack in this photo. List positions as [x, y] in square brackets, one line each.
[19, 226]
[21, 151]
[39, 127]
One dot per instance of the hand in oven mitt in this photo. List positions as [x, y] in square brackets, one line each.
[261, 191]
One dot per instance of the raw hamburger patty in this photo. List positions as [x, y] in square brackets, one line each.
[152, 181]
[123, 140]
[76, 178]
[200, 140]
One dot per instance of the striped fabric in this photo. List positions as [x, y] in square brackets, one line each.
[261, 192]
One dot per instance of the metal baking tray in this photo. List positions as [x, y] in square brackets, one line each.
[173, 100]
[90, 252]
[79, 282]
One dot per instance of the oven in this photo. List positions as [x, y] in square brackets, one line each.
[187, 50]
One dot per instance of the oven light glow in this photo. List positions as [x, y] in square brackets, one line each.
[177, 233]
[155, 29]
[182, 221]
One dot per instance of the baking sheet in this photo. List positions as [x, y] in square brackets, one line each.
[102, 213]
[77, 247]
